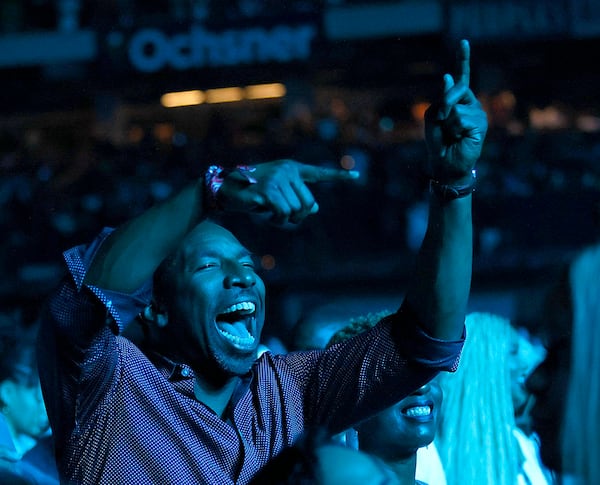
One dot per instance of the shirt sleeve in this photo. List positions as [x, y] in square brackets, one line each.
[122, 307]
[370, 372]
[77, 342]
[419, 347]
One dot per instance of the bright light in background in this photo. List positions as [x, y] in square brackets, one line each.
[267, 262]
[348, 162]
[224, 95]
[182, 98]
[550, 117]
[418, 110]
[588, 123]
[264, 91]
[135, 134]
[164, 132]
[506, 100]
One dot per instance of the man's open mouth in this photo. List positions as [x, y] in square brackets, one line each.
[236, 322]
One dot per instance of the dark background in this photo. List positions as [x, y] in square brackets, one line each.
[86, 143]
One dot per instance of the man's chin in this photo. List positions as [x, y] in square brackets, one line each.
[241, 367]
[236, 365]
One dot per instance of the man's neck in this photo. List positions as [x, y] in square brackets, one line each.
[216, 397]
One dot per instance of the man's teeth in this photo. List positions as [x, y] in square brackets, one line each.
[242, 306]
[236, 340]
[232, 324]
[418, 411]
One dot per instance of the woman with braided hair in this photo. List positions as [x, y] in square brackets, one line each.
[478, 439]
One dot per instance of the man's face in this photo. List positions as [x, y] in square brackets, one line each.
[548, 383]
[403, 428]
[216, 311]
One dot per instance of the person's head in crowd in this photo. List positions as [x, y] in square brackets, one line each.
[21, 402]
[476, 437]
[566, 385]
[314, 459]
[398, 432]
[219, 324]
[526, 352]
[26, 448]
[313, 331]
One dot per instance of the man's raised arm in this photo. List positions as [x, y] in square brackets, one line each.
[455, 130]
[132, 252]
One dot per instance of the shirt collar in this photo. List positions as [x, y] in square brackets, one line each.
[182, 376]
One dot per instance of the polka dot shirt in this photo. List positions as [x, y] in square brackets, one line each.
[121, 416]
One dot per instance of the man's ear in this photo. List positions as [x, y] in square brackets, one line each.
[153, 314]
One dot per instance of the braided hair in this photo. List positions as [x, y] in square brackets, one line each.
[475, 439]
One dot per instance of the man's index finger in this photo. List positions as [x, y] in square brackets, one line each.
[311, 173]
[464, 62]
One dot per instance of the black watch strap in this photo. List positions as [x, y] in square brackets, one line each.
[447, 192]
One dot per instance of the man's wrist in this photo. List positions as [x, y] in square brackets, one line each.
[213, 179]
[453, 190]
[215, 176]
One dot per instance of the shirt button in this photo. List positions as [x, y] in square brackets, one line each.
[185, 372]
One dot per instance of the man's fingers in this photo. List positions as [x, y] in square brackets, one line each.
[281, 190]
[293, 201]
[304, 195]
[258, 203]
[446, 105]
[459, 94]
[455, 92]
[464, 62]
[448, 83]
[312, 174]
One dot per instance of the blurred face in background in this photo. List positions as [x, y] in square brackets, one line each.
[23, 404]
[525, 355]
[23, 407]
[549, 383]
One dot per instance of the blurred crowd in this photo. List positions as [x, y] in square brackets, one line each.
[60, 181]
[538, 189]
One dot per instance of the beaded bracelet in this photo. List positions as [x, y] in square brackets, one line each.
[214, 177]
[447, 192]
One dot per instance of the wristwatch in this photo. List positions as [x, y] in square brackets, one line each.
[448, 192]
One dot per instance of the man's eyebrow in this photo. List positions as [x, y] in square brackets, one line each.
[211, 253]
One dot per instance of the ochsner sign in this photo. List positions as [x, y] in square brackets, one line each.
[151, 49]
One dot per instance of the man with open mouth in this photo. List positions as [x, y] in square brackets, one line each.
[189, 403]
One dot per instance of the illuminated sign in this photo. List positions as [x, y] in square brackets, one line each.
[151, 49]
[517, 19]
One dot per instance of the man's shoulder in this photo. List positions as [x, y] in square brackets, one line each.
[293, 363]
